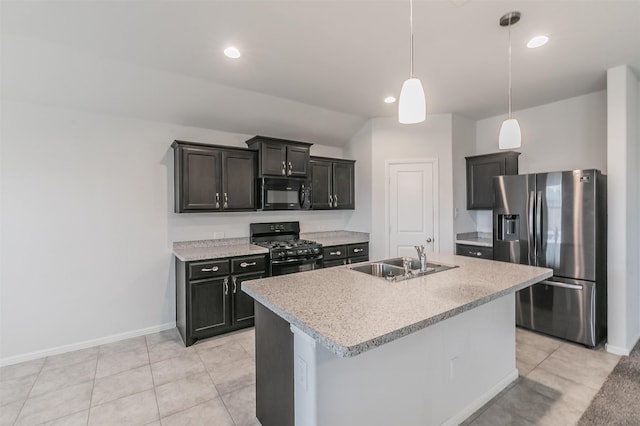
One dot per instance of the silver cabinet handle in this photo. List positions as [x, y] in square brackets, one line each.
[290, 168]
[226, 286]
[284, 167]
[235, 287]
[357, 250]
[475, 253]
[226, 201]
[335, 200]
[217, 200]
[330, 200]
[245, 264]
[335, 253]
[212, 269]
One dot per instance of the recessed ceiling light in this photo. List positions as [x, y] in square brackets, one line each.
[389, 100]
[537, 41]
[232, 52]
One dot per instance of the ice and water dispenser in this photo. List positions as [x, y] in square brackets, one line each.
[508, 227]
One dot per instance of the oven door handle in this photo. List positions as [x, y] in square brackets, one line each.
[301, 261]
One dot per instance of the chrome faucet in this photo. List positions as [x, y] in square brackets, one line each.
[423, 258]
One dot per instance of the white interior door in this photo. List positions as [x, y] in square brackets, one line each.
[412, 217]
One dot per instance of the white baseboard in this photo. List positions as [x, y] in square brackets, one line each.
[86, 344]
[617, 350]
[482, 399]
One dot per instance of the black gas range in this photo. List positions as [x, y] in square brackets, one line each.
[287, 252]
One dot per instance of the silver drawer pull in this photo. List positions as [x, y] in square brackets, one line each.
[212, 269]
[475, 253]
[335, 253]
[245, 264]
[357, 250]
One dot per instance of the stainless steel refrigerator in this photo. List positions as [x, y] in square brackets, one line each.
[557, 220]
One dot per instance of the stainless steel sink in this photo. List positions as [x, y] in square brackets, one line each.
[393, 269]
[376, 269]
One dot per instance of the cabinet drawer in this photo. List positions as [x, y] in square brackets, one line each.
[358, 259]
[208, 268]
[358, 250]
[334, 252]
[474, 251]
[334, 262]
[241, 265]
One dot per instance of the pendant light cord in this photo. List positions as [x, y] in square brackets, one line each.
[411, 29]
[510, 16]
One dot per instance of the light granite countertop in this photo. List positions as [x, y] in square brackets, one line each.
[336, 238]
[350, 312]
[230, 247]
[482, 239]
[214, 249]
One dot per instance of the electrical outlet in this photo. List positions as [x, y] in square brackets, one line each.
[218, 235]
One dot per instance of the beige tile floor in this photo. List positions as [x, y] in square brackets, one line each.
[155, 380]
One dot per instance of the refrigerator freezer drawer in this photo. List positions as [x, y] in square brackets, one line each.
[563, 309]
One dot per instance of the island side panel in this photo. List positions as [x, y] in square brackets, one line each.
[274, 369]
[438, 375]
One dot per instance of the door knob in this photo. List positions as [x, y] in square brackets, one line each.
[429, 239]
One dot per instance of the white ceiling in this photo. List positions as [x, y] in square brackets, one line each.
[345, 56]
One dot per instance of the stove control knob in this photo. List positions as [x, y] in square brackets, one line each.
[291, 253]
[316, 250]
[302, 252]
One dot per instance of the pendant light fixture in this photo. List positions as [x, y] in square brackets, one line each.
[510, 136]
[412, 107]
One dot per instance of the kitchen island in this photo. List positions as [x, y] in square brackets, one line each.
[337, 346]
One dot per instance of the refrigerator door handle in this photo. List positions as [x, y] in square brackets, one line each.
[530, 240]
[539, 248]
[563, 285]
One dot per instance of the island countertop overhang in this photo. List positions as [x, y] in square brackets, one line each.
[350, 312]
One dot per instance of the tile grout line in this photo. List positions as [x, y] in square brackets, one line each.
[30, 390]
[214, 385]
[153, 380]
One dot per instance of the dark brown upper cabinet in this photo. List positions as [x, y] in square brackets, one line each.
[212, 178]
[281, 157]
[332, 183]
[480, 172]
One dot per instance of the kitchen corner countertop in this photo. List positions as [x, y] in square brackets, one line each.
[350, 312]
[482, 239]
[336, 238]
[213, 249]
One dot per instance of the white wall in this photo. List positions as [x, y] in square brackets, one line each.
[88, 224]
[394, 141]
[360, 148]
[464, 145]
[623, 203]
[564, 135]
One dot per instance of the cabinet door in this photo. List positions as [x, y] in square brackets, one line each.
[243, 309]
[273, 157]
[343, 185]
[297, 161]
[239, 180]
[321, 185]
[200, 188]
[209, 305]
[480, 175]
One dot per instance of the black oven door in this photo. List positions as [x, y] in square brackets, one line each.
[282, 267]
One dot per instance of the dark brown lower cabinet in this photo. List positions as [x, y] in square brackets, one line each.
[480, 252]
[345, 254]
[209, 296]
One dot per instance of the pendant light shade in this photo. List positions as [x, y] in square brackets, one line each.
[412, 107]
[510, 136]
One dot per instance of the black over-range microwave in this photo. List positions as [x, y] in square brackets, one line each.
[285, 193]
